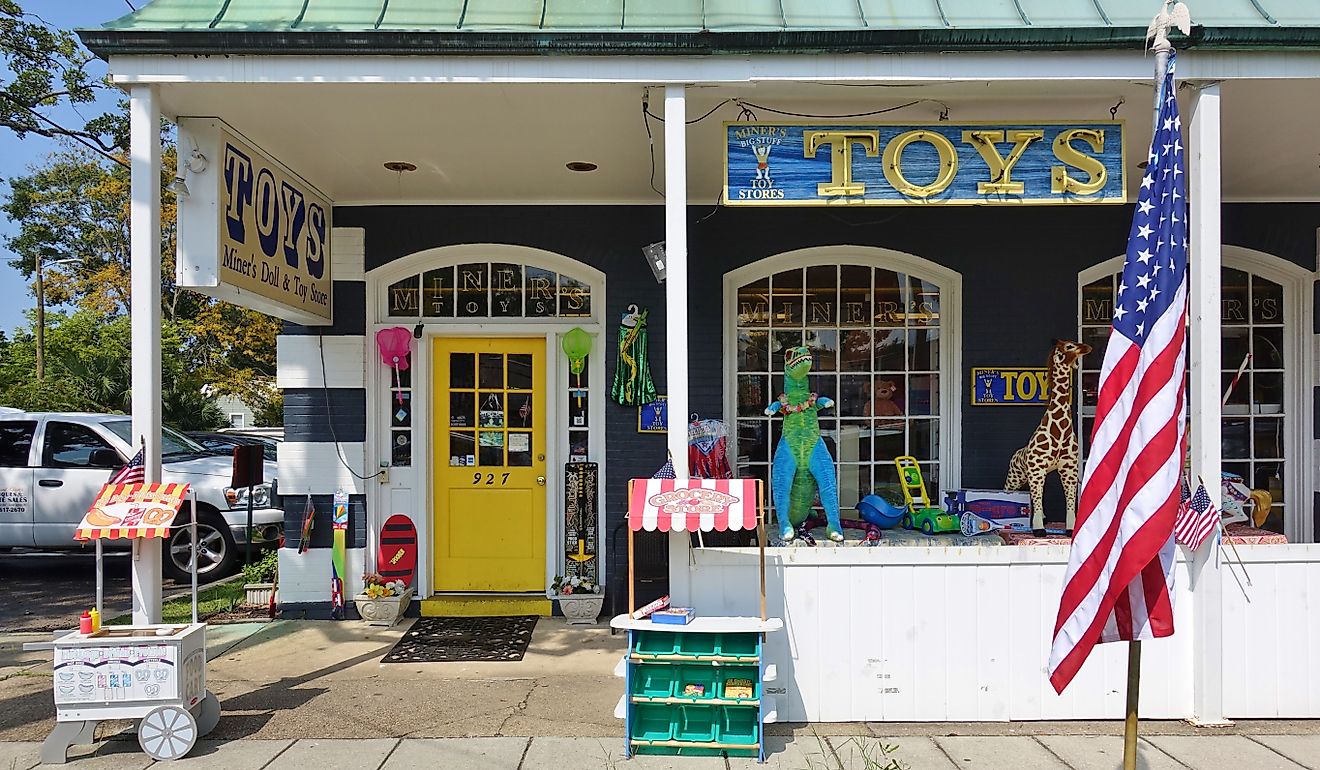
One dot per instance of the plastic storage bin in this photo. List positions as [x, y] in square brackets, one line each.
[651, 722]
[697, 644]
[653, 681]
[695, 723]
[738, 645]
[747, 673]
[654, 643]
[738, 725]
[703, 677]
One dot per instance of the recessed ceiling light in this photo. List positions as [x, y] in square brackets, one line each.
[400, 165]
[580, 165]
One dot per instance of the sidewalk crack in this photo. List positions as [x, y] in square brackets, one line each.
[526, 748]
[1052, 752]
[1172, 758]
[518, 708]
[1252, 738]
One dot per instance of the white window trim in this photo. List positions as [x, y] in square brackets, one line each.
[379, 385]
[951, 340]
[1300, 347]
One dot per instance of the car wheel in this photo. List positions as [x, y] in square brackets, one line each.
[217, 555]
[907, 521]
[928, 527]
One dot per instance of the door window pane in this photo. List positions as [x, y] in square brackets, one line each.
[462, 370]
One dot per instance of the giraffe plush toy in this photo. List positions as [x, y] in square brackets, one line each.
[1053, 447]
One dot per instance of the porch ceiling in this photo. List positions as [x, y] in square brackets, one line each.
[509, 143]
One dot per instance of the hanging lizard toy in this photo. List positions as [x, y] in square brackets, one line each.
[802, 464]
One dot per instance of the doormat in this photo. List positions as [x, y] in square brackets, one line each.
[442, 640]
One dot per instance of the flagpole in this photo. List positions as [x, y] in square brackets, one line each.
[1133, 688]
[1162, 50]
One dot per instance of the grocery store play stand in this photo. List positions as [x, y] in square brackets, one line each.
[153, 673]
[695, 685]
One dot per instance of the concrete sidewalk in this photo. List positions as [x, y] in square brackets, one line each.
[803, 752]
[315, 694]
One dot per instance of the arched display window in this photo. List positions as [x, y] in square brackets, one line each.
[1263, 316]
[882, 328]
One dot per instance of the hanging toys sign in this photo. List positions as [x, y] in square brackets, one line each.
[251, 231]
[632, 374]
[770, 164]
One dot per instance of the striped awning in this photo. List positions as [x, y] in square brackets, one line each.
[132, 510]
[698, 505]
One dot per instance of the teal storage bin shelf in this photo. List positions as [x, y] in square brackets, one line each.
[651, 722]
[654, 643]
[653, 681]
[739, 725]
[739, 645]
[695, 723]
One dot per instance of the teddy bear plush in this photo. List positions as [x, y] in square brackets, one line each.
[882, 400]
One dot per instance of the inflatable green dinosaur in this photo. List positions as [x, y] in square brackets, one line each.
[803, 467]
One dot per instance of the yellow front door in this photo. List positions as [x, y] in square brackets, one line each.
[489, 516]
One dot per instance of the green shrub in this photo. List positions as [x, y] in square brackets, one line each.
[264, 569]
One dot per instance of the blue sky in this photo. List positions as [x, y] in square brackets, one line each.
[16, 155]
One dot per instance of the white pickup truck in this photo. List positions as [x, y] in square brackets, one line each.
[53, 464]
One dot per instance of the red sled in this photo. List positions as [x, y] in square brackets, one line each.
[397, 557]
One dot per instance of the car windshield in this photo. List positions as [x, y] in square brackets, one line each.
[172, 443]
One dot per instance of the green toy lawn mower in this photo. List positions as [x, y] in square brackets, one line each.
[921, 514]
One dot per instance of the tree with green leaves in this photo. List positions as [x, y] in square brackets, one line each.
[47, 68]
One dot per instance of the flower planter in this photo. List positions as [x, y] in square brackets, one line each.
[383, 611]
[257, 594]
[581, 610]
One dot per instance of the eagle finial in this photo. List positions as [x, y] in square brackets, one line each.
[1172, 14]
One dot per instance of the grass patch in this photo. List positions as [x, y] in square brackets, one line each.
[222, 598]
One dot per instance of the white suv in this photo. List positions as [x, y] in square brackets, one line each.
[53, 464]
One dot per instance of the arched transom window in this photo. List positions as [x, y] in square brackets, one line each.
[489, 290]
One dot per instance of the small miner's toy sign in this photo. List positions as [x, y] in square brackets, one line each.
[1009, 386]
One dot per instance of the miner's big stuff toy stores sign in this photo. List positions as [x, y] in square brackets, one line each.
[252, 232]
[769, 164]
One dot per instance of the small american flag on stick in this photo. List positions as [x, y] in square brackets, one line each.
[134, 472]
[1196, 517]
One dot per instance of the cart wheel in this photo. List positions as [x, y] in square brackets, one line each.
[167, 732]
[907, 521]
[928, 527]
[208, 714]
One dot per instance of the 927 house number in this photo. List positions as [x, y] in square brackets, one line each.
[489, 479]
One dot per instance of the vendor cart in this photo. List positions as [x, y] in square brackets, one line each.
[154, 673]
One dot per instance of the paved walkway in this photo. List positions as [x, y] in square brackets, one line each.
[803, 752]
[280, 683]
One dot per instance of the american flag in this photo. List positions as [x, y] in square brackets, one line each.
[1120, 569]
[134, 472]
[1196, 517]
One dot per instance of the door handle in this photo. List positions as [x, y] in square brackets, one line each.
[540, 481]
[51, 483]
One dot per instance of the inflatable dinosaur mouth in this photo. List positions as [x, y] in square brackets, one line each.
[795, 356]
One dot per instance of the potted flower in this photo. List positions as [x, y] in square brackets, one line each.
[382, 602]
[580, 600]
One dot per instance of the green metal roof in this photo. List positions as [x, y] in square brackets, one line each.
[683, 26]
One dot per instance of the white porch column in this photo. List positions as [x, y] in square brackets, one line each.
[1203, 141]
[676, 321]
[144, 231]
